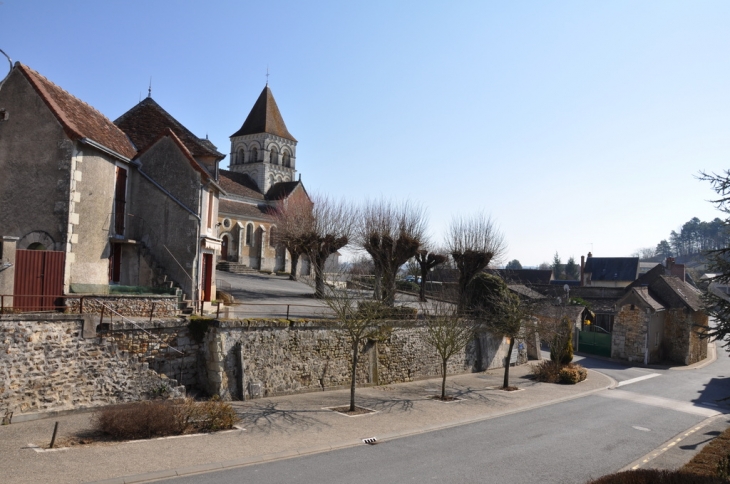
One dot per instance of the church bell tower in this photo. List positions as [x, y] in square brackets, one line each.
[263, 148]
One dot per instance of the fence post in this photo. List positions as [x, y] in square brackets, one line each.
[218, 311]
[81, 305]
[101, 319]
[152, 310]
[2, 304]
[287, 312]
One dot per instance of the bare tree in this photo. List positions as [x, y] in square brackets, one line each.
[473, 243]
[294, 223]
[359, 321]
[391, 233]
[447, 333]
[331, 229]
[426, 261]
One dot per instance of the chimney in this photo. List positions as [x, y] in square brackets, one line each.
[582, 267]
[675, 269]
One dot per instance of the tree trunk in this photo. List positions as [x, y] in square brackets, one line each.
[294, 265]
[443, 380]
[377, 279]
[422, 291]
[506, 363]
[318, 266]
[389, 288]
[355, 345]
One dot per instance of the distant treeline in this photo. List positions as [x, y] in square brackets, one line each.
[694, 237]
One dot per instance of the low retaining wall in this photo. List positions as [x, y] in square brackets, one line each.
[256, 358]
[48, 365]
[129, 306]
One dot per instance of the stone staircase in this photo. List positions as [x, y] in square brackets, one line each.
[161, 279]
[235, 268]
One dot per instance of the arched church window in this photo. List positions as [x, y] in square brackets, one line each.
[274, 157]
[249, 234]
[240, 159]
[286, 161]
[272, 236]
[254, 155]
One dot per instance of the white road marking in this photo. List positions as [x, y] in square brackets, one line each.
[686, 407]
[643, 429]
[637, 379]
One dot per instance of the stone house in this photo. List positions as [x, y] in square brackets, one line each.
[83, 206]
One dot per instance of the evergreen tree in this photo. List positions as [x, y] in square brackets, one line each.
[513, 265]
[571, 269]
[557, 267]
[663, 249]
[719, 262]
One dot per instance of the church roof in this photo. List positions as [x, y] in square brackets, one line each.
[79, 120]
[281, 190]
[265, 118]
[239, 184]
[146, 121]
[235, 207]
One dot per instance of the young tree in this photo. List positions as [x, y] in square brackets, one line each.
[513, 265]
[447, 333]
[358, 321]
[294, 223]
[544, 266]
[571, 269]
[716, 306]
[427, 260]
[554, 327]
[331, 229]
[391, 233]
[500, 311]
[473, 243]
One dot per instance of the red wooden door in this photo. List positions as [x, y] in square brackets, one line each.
[38, 279]
[207, 276]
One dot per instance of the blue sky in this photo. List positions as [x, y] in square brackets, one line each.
[577, 125]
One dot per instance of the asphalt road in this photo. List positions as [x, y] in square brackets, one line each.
[570, 442]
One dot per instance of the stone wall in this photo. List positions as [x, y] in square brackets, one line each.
[682, 342]
[252, 358]
[629, 334]
[48, 365]
[158, 306]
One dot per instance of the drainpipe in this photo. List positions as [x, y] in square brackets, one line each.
[646, 345]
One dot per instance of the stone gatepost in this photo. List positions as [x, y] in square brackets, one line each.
[7, 269]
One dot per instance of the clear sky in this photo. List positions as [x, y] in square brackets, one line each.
[577, 125]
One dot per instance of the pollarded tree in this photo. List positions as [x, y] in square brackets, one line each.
[473, 243]
[391, 233]
[331, 229]
[426, 261]
[294, 222]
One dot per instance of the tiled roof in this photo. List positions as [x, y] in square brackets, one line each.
[79, 120]
[524, 276]
[239, 184]
[281, 190]
[643, 294]
[183, 149]
[612, 268]
[525, 291]
[264, 118]
[243, 209]
[676, 293]
[147, 120]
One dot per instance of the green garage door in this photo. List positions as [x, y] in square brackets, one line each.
[595, 343]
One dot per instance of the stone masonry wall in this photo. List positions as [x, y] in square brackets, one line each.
[130, 306]
[682, 342]
[252, 358]
[629, 334]
[48, 365]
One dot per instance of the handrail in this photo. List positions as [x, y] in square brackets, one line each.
[138, 326]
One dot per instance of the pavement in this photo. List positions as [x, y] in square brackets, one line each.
[278, 428]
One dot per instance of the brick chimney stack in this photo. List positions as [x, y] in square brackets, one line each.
[582, 267]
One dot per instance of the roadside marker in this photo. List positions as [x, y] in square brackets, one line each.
[370, 441]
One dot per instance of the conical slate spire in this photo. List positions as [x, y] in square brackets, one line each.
[265, 118]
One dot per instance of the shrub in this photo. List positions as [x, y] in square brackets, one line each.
[407, 286]
[713, 459]
[655, 476]
[160, 418]
[141, 420]
[387, 312]
[572, 374]
[546, 371]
